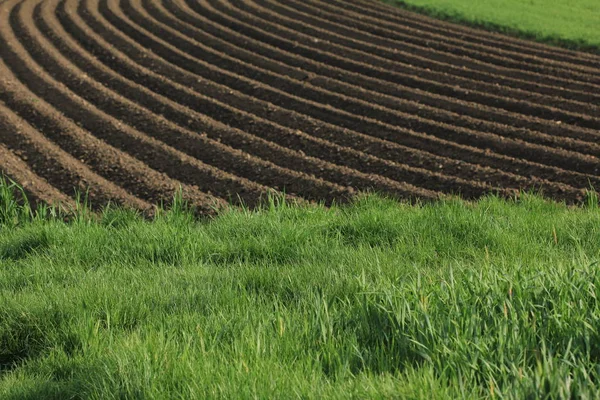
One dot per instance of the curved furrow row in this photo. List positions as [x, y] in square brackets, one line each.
[513, 148]
[465, 36]
[297, 106]
[508, 64]
[213, 151]
[478, 75]
[108, 162]
[151, 151]
[153, 28]
[36, 188]
[186, 116]
[397, 89]
[260, 28]
[257, 52]
[229, 100]
[329, 132]
[350, 34]
[57, 167]
[411, 120]
[173, 91]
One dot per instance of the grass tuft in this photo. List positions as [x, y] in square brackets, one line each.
[14, 206]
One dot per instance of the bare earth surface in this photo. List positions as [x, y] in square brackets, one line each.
[232, 99]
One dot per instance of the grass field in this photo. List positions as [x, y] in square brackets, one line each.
[373, 300]
[448, 299]
[572, 24]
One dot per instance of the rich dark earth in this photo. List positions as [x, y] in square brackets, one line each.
[231, 99]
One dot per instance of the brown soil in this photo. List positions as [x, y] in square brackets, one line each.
[228, 100]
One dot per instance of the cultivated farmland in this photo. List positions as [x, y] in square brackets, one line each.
[232, 99]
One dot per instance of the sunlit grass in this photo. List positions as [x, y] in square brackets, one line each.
[376, 299]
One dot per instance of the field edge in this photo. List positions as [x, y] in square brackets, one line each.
[457, 18]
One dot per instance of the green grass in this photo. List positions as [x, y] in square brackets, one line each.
[573, 24]
[376, 299]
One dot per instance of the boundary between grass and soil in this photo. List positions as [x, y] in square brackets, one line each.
[458, 18]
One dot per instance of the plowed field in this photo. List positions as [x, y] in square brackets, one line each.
[231, 99]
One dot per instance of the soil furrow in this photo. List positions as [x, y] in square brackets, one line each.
[330, 132]
[185, 96]
[154, 28]
[200, 146]
[437, 82]
[507, 62]
[108, 162]
[478, 39]
[424, 56]
[188, 117]
[282, 116]
[420, 96]
[36, 188]
[231, 100]
[446, 132]
[145, 36]
[155, 154]
[463, 35]
[285, 40]
[58, 168]
[414, 107]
